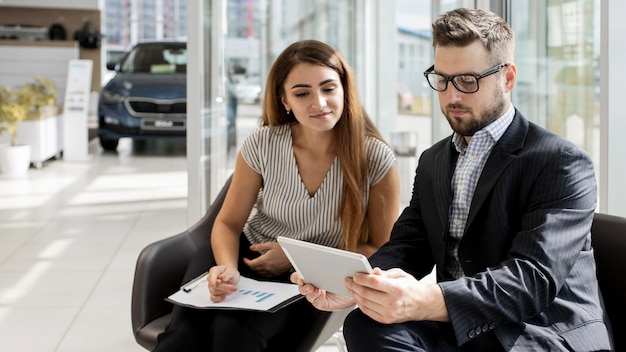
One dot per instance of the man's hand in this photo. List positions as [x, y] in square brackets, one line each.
[321, 299]
[395, 296]
[222, 281]
[271, 262]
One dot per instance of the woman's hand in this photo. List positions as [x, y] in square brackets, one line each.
[222, 281]
[322, 299]
[271, 262]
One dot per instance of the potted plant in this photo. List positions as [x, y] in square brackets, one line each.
[29, 100]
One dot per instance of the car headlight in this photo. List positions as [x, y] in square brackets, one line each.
[111, 120]
[111, 97]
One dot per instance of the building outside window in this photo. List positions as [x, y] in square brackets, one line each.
[127, 22]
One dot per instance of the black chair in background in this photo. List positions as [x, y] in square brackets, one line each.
[608, 238]
[160, 269]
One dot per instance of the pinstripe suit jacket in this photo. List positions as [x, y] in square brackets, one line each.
[526, 250]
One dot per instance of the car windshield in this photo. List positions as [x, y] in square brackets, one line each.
[156, 58]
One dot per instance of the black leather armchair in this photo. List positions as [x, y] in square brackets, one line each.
[160, 269]
[608, 238]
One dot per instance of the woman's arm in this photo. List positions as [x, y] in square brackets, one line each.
[240, 199]
[382, 211]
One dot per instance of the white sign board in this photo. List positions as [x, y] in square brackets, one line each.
[76, 110]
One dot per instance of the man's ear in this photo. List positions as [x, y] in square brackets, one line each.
[510, 76]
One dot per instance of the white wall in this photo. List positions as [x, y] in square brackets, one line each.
[18, 65]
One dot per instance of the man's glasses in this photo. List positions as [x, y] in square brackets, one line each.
[465, 82]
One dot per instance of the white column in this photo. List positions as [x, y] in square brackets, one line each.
[612, 169]
[195, 93]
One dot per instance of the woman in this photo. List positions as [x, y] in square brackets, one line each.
[317, 170]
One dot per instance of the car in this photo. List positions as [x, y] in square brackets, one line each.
[147, 97]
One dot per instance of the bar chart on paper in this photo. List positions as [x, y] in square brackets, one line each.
[257, 296]
[251, 295]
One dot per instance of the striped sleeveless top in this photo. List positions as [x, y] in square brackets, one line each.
[284, 207]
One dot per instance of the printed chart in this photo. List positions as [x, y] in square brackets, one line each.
[251, 295]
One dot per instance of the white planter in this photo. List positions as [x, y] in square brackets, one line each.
[14, 160]
[44, 137]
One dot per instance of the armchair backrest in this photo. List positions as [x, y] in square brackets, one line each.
[608, 238]
[201, 231]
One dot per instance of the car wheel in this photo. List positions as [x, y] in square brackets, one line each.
[108, 144]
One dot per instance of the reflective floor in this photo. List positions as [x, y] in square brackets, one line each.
[69, 237]
[70, 233]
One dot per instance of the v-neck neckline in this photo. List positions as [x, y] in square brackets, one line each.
[302, 183]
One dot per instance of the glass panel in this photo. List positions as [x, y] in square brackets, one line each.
[206, 118]
[558, 48]
[214, 120]
[127, 22]
[256, 33]
[242, 53]
[414, 56]
[414, 96]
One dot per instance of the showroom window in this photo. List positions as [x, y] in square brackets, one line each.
[558, 51]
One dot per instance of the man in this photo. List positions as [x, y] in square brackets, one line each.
[503, 208]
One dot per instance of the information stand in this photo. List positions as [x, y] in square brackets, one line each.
[75, 111]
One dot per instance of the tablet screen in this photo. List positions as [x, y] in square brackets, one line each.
[325, 267]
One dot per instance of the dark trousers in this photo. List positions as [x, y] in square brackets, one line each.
[233, 330]
[364, 334]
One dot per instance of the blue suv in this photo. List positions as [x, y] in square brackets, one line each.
[147, 98]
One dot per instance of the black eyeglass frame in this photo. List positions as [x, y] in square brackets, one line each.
[431, 70]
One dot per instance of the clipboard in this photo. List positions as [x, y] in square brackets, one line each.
[266, 296]
[323, 266]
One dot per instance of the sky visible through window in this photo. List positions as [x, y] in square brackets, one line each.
[413, 14]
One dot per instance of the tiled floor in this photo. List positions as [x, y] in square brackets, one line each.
[69, 237]
[70, 234]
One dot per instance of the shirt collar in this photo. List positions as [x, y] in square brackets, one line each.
[495, 129]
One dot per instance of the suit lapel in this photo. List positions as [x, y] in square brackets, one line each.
[501, 156]
[443, 174]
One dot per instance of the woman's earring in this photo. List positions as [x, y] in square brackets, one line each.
[288, 112]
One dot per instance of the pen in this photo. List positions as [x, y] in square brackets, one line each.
[195, 282]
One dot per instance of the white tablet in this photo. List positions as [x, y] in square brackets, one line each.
[325, 267]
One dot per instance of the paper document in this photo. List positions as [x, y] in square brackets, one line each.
[251, 295]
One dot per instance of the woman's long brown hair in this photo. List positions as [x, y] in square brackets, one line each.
[351, 130]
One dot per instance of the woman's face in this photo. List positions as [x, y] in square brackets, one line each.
[314, 95]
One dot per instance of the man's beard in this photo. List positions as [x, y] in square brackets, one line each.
[472, 124]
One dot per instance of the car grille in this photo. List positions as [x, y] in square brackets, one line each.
[147, 107]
